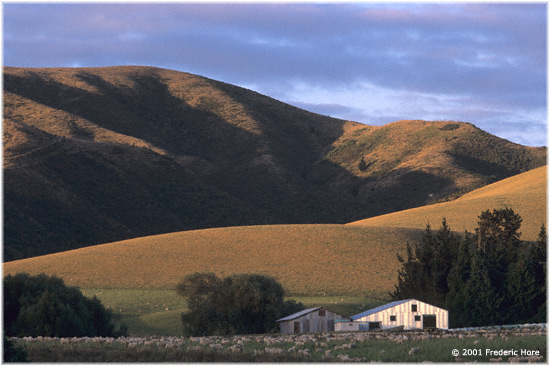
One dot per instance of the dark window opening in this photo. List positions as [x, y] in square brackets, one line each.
[392, 318]
[414, 308]
[417, 318]
[322, 312]
[374, 325]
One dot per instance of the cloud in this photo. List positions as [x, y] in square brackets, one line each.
[429, 57]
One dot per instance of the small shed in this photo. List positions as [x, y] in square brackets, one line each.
[408, 314]
[310, 321]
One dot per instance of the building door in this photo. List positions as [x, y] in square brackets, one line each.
[330, 325]
[306, 326]
[429, 321]
[296, 327]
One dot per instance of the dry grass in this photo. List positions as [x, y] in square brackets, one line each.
[306, 259]
[525, 193]
[354, 259]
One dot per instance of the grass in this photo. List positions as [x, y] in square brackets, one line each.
[310, 260]
[84, 148]
[377, 350]
[145, 312]
[525, 193]
[158, 312]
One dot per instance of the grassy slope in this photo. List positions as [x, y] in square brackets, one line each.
[525, 193]
[306, 259]
[94, 155]
[352, 259]
[134, 277]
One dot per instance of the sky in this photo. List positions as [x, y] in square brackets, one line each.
[374, 63]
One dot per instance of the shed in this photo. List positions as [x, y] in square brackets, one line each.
[409, 314]
[310, 321]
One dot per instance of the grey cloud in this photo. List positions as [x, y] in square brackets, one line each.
[490, 53]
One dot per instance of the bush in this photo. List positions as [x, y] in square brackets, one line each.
[13, 353]
[45, 306]
[239, 304]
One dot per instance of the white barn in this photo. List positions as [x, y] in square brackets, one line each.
[409, 314]
[310, 321]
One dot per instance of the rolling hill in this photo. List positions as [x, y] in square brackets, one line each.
[95, 155]
[525, 193]
[322, 259]
[311, 260]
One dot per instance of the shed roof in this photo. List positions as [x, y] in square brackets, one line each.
[298, 314]
[380, 308]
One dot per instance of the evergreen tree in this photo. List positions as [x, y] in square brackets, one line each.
[482, 301]
[409, 281]
[423, 275]
[456, 301]
[498, 240]
[536, 265]
[521, 292]
[445, 251]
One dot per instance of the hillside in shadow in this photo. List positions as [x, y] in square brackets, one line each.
[95, 155]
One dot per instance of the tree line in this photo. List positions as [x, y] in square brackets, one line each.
[489, 277]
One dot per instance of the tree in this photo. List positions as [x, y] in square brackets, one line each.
[498, 241]
[536, 266]
[12, 352]
[497, 278]
[238, 304]
[424, 273]
[482, 302]
[459, 275]
[44, 306]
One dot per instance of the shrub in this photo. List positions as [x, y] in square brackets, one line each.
[44, 306]
[13, 353]
[239, 304]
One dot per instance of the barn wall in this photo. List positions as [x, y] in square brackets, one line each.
[312, 322]
[406, 317]
[346, 326]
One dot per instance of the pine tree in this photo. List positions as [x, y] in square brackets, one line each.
[536, 265]
[409, 282]
[456, 301]
[521, 292]
[498, 240]
[423, 275]
[482, 301]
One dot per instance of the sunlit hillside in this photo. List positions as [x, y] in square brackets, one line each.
[96, 155]
[355, 259]
[306, 259]
[525, 193]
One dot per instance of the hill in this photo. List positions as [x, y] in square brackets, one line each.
[525, 193]
[307, 259]
[312, 260]
[95, 155]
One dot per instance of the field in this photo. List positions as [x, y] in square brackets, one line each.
[157, 312]
[310, 260]
[346, 268]
[523, 345]
[524, 193]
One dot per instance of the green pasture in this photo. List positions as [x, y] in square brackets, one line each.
[157, 312]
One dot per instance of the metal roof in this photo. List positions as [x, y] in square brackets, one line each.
[298, 314]
[380, 308]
